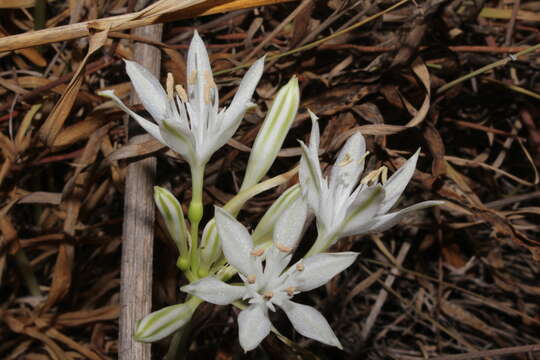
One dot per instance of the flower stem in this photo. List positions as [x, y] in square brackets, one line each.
[195, 214]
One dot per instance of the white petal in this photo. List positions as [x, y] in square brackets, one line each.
[290, 225]
[179, 140]
[397, 183]
[242, 98]
[364, 209]
[273, 131]
[200, 78]
[236, 243]
[319, 269]
[253, 326]
[310, 323]
[149, 90]
[150, 127]
[164, 322]
[267, 223]
[349, 164]
[315, 137]
[215, 291]
[384, 222]
[310, 177]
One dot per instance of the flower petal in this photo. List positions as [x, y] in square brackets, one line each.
[319, 269]
[150, 127]
[149, 90]
[253, 326]
[179, 140]
[164, 322]
[235, 242]
[366, 205]
[274, 129]
[384, 222]
[242, 98]
[290, 225]
[200, 79]
[310, 323]
[398, 181]
[349, 164]
[214, 291]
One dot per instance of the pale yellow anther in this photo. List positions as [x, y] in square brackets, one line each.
[300, 267]
[290, 290]
[257, 252]
[192, 77]
[251, 279]
[363, 158]
[283, 248]
[181, 93]
[347, 159]
[374, 176]
[384, 175]
[268, 295]
[170, 86]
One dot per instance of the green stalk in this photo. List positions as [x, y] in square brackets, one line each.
[195, 214]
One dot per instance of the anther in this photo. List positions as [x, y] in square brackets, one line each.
[170, 85]
[268, 295]
[290, 290]
[192, 77]
[257, 252]
[346, 161]
[300, 267]
[283, 248]
[181, 93]
[251, 279]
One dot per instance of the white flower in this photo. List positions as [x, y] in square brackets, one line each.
[342, 206]
[191, 124]
[272, 285]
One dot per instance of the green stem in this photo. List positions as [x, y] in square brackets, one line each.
[195, 214]
[27, 273]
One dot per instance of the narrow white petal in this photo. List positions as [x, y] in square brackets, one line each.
[274, 129]
[164, 322]
[364, 209]
[253, 326]
[267, 223]
[242, 98]
[179, 140]
[290, 225]
[215, 291]
[150, 127]
[172, 213]
[349, 163]
[200, 78]
[149, 90]
[319, 269]
[384, 222]
[397, 183]
[315, 137]
[236, 243]
[310, 177]
[310, 323]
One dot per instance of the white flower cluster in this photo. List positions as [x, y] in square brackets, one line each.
[344, 204]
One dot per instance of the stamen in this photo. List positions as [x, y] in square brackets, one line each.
[192, 77]
[182, 93]
[363, 158]
[300, 267]
[170, 85]
[384, 175]
[374, 176]
[251, 279]
[268, 295]
[346, 161]
[283, 248]
[290, 290]
[257, 252]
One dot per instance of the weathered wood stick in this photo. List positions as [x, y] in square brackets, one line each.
[138, 230]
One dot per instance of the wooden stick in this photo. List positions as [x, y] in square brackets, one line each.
[124, 22]
[138, 230]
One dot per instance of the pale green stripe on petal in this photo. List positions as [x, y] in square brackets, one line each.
[172, 213]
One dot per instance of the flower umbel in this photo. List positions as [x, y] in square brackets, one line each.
[342, 206]
[271, 285]
[191, 122]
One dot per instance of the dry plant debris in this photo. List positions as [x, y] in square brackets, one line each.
[460, 279]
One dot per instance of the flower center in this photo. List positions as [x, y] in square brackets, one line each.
[373, 176]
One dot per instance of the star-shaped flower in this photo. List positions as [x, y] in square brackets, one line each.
[190, 123]
[344, 207]
[271, 285]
